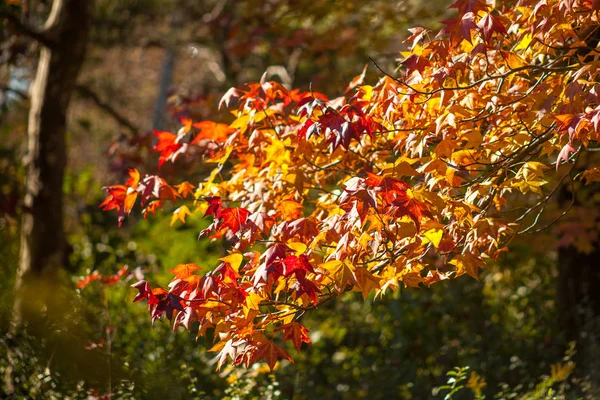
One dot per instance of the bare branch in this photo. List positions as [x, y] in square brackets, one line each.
[86, 92]
[20, 93]
[40, 36]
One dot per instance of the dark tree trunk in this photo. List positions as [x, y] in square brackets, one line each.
[43, 243]
[578, 289]
[579, 307]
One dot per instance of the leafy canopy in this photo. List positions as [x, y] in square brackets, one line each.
[422, 177]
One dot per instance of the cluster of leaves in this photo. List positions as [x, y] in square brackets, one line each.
[414, 180]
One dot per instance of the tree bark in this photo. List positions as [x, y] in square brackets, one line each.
[43, 243]
[579, 308]
[578, 289]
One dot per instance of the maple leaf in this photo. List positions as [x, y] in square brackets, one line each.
[295, 264]
[86, 280]
[166, 146]
[121, 198]
[388, 188]
[215, 206]
[417, 35]
[304, 229]
[591, 175]
[342, 131]
[164, 303]
[234, 260]
[459, 28]
[406, 205]
[183, 271]
[435, 276]
[113, 279]
[165, 191]
[415, 63]
[144, 290]
[467, 263]
[361, 201]
[212, 131]
[305, 286]
[412, 279]
[115, 198]
[289, 209]
[180, 214]
[490, 25]
[270, 352]
[234, 218]
[134, 178]
[565, 154]
[365, 281]
[185, 189]
[341, 272]
[152, 207]
[228, 96]
[208, 285]
[227, 349]
[295, 332]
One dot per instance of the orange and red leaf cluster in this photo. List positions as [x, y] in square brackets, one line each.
[409, 181]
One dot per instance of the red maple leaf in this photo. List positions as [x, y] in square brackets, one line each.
[490, 25]
[406, 205]
[234, 218]
[112, 279]
[167, 146]
[415, 63]
[86, 280]
[294, 264]
[305, 286]
[215, 205]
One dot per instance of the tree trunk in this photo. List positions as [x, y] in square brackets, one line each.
[579, 307]
[43, 243]
[166, 78]
[578, 289]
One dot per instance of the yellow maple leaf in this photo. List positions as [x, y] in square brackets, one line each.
[185, 188]
[467, 263]
[365, 282]
[251, 303]
[591, 175]
[341, 272]
[434, 236]
[180, 214]
[235, 260]
[298, 247]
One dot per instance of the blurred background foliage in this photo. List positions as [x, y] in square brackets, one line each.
[151, 61]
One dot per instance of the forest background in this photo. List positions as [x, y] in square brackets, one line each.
[150, 62]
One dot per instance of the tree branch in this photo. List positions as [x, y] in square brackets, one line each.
[87, 93]
[20, 93]
[40, 36]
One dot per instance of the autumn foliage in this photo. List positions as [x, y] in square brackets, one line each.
[424, 176]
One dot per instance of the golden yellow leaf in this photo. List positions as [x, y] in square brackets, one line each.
[180, 214]
[365, 281]
[434, 236]
[591, 175]
[299, 248]
[235, 260]
[252, 302]
[467, 263]
[341, 272]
